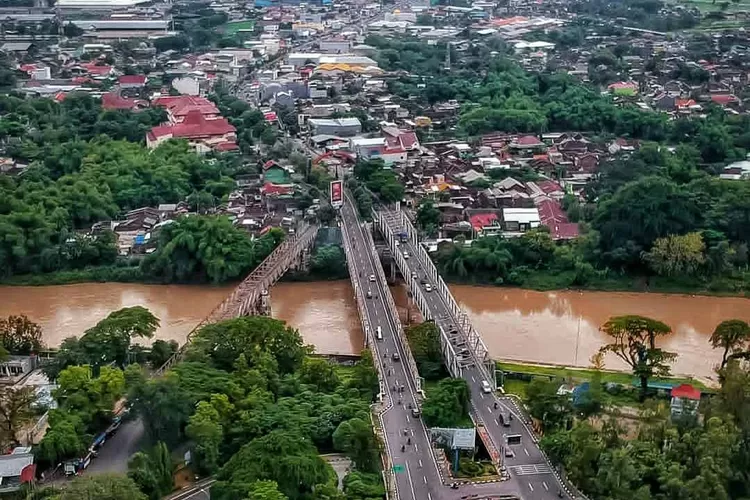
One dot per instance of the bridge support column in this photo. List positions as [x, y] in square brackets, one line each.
[393, 271]
[264, 307]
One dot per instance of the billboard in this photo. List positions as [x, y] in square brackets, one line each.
[337, 193]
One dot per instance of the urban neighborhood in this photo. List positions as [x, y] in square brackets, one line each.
[352, 250]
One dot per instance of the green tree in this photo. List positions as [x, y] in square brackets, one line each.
[365, 376]
[677, 255]
[109, 340]
[320, 373]
[152, 471]
[356, 438]
[424, 343]
[101, 487]
[284, 457]
[16, 412]
[265, 490]
[66, 437]
[447, 405]
[251, 335]
[206, 248]
[551, 409]
[19, 335]
[634, 342]
[161, 351]
[205, 429]
[428, 217]
[732, 337]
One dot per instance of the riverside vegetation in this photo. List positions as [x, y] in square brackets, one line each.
[249, 400]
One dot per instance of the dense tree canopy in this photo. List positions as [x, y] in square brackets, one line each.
[207, 248]
[256, 408]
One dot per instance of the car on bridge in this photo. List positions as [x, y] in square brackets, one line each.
[428, 288]
[372, 278]
[396, 357]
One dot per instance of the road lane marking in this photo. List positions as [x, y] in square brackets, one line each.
[489, 409]
[544, 483]
[531, 487]
[416, 447]
[496, 422]
[420, 463]
[527, 452]
[411, 483]
[407, 419]
[425, 479]
[481, 394]
[473, 379]
[429, 497]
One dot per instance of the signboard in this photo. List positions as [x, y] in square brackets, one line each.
[398, 469]
[337, 193]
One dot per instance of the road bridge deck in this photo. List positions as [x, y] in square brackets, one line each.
[467, 357]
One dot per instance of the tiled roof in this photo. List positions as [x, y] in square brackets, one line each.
[132, 79]
[194, 126]
[478, 221]
[113, 100]
[686, 391]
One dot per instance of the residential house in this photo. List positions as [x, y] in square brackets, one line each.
[275, 173]
[519, 220]
[342, 127]
[16, 468]
[685, 400]
[113, 100]
[178, 107]
[132, 81]
[203, 134]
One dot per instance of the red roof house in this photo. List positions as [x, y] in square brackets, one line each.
[480, 221]
[397, 139]
[217, 134]
[724, 99]
[178, 107]
[685, 400]
[131, 81]
[113, 100]
[554, 217]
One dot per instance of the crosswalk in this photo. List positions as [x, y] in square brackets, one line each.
[527, 470]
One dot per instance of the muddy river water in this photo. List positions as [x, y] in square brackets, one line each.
[547, 327]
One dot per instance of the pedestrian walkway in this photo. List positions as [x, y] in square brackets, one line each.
[530, 469]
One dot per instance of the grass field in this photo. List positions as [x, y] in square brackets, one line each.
[231, 28]
[579, 375]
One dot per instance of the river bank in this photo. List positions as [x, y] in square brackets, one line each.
[541, 281]
[517, 325]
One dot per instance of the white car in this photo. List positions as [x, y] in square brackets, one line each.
[372, 278]
[486, 387]
[428, 288]
[406, 255]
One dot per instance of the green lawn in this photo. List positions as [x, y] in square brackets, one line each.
[582, 374]
[231, 28]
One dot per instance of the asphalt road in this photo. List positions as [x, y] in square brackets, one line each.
[115, 452]
[531, 475]
[417, 476]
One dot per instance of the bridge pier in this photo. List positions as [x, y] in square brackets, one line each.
[264, 304]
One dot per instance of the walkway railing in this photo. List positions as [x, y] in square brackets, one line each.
[244, 298]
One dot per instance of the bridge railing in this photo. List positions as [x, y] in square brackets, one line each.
[388, 475]
[261, 278]
[412, 285]
[462, 320]
[363, 317]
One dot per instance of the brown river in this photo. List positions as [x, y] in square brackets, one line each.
[544, 327]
